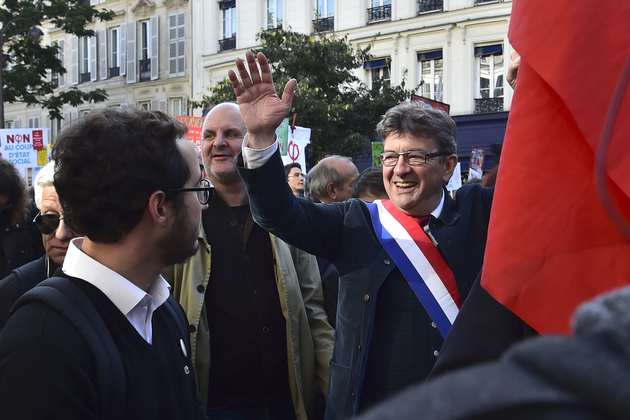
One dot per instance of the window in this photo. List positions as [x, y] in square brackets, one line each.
[325, 16]
[228, 12]
[425, 6]
[431, 69]
[59, 80]
[145, 105]
[33, 122]
[489, 78]
[177, 44]
[176, 107]
[145, 51]
[8, 124]
[274, 14]
[378, 73]
[114, 53]
[379, 11]
[84, 60]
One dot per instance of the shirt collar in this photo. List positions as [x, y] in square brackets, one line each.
[124, 294]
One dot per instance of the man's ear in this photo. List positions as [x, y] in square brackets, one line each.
[331, 191]
[450, 164]
[159, 209]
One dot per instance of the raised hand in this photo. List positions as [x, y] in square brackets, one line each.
[261, 108]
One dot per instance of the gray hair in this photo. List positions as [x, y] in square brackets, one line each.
[321, 175]
[419, 119]
[44, 178]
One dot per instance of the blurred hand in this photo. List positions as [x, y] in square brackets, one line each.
[261, 108]
[513, 69]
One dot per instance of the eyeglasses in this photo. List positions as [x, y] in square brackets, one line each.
[203, 191]
[412, 157]
[47, 223]
[296, 176]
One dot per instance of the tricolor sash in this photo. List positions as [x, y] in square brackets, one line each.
[420, 262]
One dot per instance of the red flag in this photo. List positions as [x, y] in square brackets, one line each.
[551, 245]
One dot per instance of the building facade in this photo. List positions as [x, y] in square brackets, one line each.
[456, 50]
[142, 58]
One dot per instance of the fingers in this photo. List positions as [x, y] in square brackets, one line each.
[236, 84]
[289, 91]
[513, 72]
[253, 67]
[265, 69]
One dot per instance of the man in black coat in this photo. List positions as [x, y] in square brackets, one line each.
[130, 182]
[387, 334]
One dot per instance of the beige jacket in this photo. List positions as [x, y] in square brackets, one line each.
[309, 336]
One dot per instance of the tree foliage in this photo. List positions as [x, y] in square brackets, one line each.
[26, 63]
[341, 111]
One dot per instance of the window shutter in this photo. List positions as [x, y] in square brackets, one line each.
[162, 105]
[62, 58]
[93, 61]
[181, 44]
[155, 47]
[66, 118]
[102, 50]
[93, 2]
[123, 50]
[131, 52]
[74, 53]
[155, 104]
[17, 123]
[184, 110]
[172, 45]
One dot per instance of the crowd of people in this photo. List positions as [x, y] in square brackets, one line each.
[136, 288]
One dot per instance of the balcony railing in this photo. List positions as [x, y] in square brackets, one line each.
[227, 44]
[145, 70]
[487, 105]
[425, 6]
[324, 24]
[55, 81]
[380, 14]
[84, 77]
[114, 72]
[478, 2]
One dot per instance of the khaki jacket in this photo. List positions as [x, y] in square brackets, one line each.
[309, 336]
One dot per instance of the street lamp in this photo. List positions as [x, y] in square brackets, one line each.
[34, 35]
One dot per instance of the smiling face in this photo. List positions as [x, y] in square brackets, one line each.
[56, 243]
[416, 190]
[221, 141]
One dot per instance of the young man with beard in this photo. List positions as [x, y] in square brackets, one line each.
[405, 263]
[261, 341]
[129, 181]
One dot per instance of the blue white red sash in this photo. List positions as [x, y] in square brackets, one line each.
[420, 262]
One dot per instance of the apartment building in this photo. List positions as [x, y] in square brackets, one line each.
[458, 48]
[142, 58]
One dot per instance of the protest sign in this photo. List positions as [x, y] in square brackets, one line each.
[25, 147]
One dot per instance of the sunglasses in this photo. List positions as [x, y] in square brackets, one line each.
[47, 223]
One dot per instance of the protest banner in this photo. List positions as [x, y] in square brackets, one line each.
[297, 140]
[194, 125]
[25, 147]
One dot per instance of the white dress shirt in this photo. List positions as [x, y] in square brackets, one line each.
[137, 305]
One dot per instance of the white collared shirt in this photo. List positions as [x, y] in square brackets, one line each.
[137, 305]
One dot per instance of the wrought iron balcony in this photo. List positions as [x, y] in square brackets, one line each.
[114, 72]
[145, 70]
[380, 14]
[226, 44]
[324, 24]
[488, 105]
[425, 6]
[478, 2]
[84, 77]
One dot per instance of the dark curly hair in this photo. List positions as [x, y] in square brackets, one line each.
[108, 164]
[12, 186]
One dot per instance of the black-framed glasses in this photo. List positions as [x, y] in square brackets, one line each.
[297, 175]
[412, 157]
[203, 191]
[47, 223]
